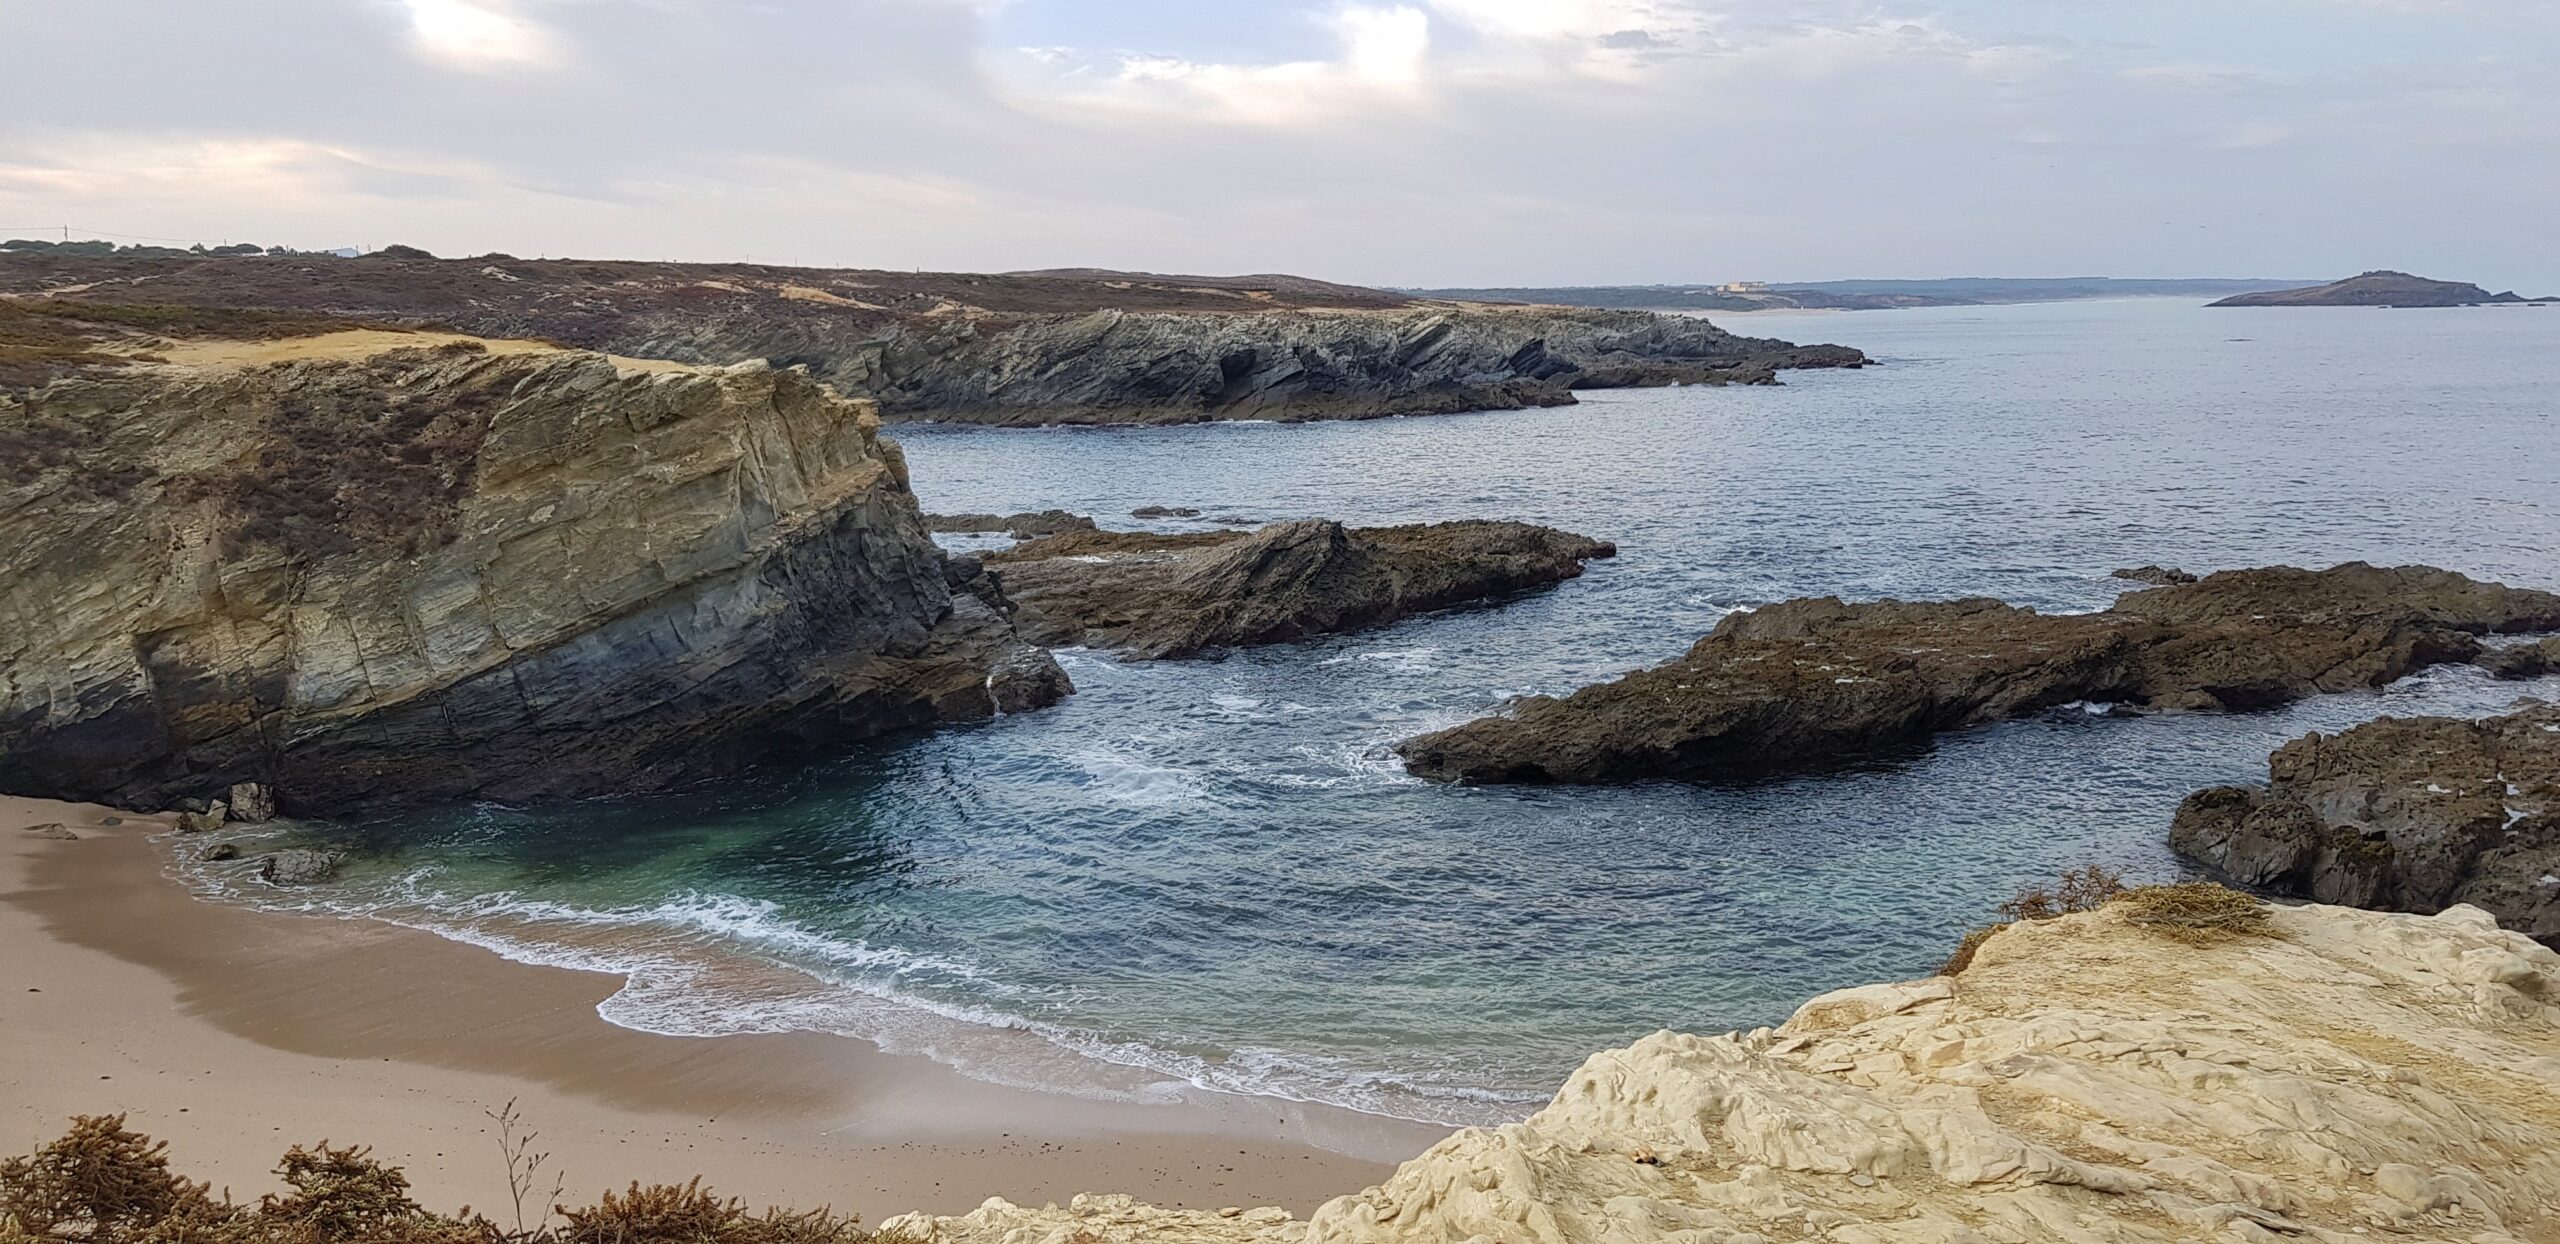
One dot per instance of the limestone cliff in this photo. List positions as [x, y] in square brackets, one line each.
[2339, 1076]
[379, 568]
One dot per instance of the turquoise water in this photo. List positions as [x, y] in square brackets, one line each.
[1214, 874]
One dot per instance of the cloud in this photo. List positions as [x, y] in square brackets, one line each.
[462, 34]
[1381, 58]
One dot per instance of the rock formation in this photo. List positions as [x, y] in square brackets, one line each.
[1151, 595]
[2408, 814]
[2526, 660]
[2379, 288]
[1015, 348]
[2342, 1075]
[370, 569]
[2156, 576]
[1019, 526]
[1809, 680]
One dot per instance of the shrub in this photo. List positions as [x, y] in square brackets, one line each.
[100, 1182]
[2196, 912]
[2081, 889]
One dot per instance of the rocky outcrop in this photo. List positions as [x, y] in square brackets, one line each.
[2343, 1075]
[1018, 526]
[1813, 680]
[369, 572]
[2156, 576]
[1077, 347]
[2414, 814]
[2525, 660]
[2379, 288]
[1151, 595]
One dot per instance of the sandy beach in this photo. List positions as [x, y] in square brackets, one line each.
[233, 1034]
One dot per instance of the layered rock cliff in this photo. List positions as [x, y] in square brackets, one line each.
[1014, 348]
[1810, 680]
[372, 569]
[2334, 1075]
[2409, 814]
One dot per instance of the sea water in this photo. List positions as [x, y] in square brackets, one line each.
[1214, 875]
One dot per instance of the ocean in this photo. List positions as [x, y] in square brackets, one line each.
[1214, 876]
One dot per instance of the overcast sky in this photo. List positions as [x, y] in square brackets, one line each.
[1421, 142]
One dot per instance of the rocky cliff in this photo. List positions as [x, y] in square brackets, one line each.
[1810, 680]
[1015, 348]
[2409, 814]
[376, 568]
[2332, 1075]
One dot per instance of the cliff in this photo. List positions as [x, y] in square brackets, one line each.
[373, 568]
[1808, 681]
[2379, 288]
[2330, 1075]
[1014, 348]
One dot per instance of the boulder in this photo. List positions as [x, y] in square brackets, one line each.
[2521, 661]
[2403, 814]
[251, 803]
[213, 817]
[1149, 595]
[298, 866]
[1819, 681]
[221, 851]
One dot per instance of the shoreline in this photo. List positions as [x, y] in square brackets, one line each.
[233, 1033]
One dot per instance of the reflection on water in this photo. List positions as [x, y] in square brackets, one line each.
[1215, 872]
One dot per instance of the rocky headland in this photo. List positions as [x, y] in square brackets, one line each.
[373, 568]
[1149, 595]
[1069, 347]
[1807, 681]
[2378, 288]
[2406, 814]
[2316, 1073]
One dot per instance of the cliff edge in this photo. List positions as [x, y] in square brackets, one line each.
[2330, 1074]
[377, 568]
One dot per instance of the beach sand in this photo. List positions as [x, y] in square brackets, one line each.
[233, 1034]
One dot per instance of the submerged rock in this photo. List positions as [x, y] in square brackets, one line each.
[2156, 576]
[381, 574]
[1809, 681]
[2407, 814]
[1151, 595]
[2088, 1080]
[298, 866]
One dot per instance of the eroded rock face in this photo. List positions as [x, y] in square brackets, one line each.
[1152, 595]
[2086, 1081]
[370, 579]
[1813, 680]
[2406, 814]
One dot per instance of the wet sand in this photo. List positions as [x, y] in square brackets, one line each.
[234, 1033]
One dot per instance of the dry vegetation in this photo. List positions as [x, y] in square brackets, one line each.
[104, 1184]
[2197, 912]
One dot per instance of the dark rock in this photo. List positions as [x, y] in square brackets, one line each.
[2157, 576]
[2520, 661]
[1164, 511]
[55, 832]
[298, 866]
[221, 851]
[1020, 526]
[1236, 520]
[251, 803]
[2403, 814]
[1809, 681]
[111, 821]
[1153, 595]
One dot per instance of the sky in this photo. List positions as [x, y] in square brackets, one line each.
[1391, 142]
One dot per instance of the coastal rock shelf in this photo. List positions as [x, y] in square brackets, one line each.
[2407, 814]
[1151, 595]
[2334, 1075]
[375, 569]
[1027, 348]
[1810, 680]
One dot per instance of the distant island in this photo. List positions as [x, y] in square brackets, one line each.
[1868, 295]
[2379, 288]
